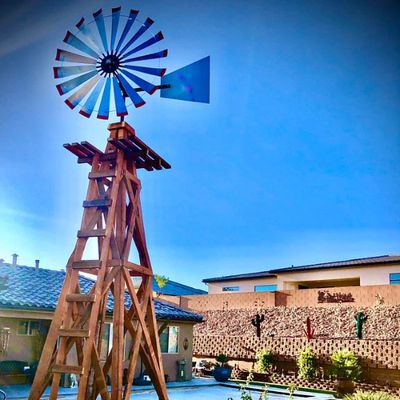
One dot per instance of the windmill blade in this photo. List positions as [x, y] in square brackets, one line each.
[67, 86]
[73, 41]
[190, 83]
[104, 108]
[75, 99]
[136, 99]
[145, 44]
[147, 70]
[146, 86]
[62, 72]
[89, 36]
[99, 18]
[146, 25]
[88, 107]
[119, 99]
[116, 12]
[152, 56]
[131, 19]
[63, 55]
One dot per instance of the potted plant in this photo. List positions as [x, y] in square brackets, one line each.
[346, 368]
[222, 371]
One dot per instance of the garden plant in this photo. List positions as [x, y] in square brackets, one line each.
[346, 368]
[307, 364]
[359, 395]
[264, 360]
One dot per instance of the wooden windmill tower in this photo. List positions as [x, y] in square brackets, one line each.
[112, 214]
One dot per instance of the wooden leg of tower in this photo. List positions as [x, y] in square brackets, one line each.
[42, 375]
[99, 376]
[133, 358]
[153, 330]
[158, 378]
[118, 338]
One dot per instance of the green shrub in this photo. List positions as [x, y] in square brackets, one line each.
[345, 364]
[307, 363]
[222, 360]
[370, 396]
[264, 360]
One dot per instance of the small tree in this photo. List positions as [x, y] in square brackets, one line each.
[307, 363]
[161, 282]
[345, 365]
[264, 360]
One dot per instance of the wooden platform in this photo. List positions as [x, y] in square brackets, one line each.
[123, 137]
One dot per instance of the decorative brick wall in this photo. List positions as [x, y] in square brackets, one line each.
[230, 332]
[383, 322]
[374, 353]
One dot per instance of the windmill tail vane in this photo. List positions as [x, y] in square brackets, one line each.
[113, 58]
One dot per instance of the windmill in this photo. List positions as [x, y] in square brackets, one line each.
[107, 67]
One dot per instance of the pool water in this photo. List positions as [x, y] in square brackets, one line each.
[224, 393]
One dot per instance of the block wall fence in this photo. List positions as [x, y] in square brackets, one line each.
[227, 326]
[363, 296]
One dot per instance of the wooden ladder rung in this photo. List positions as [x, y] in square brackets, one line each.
[91, 233]
[80, 298]
[81, 333]
[97, 203]
[67, 369]
[86, 264]
[101, 174]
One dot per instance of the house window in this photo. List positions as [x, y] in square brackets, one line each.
[169, 340]
[265, 288]
[230, 289]
[28, 328]
[395, 278]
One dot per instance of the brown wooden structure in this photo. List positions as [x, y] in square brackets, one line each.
[112, 217]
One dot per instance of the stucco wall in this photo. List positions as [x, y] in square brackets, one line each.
[245, 285]
[371, 275]
[21, 347]
[170, 360]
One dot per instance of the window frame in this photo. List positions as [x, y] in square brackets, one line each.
[177, 342]
[29, 330]
[268, 285]
[396, 280]
[231, 288]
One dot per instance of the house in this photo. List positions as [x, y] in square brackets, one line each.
[28, 298]
[380, 270]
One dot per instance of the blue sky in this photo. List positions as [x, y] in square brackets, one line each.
[296, 160]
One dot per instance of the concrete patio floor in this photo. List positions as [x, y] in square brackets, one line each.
[22, 391]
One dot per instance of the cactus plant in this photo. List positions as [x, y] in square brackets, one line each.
[257, 321]
[309, 331]
[360, 318]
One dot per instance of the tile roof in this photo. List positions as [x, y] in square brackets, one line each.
[356, 262]
[26, 288]
[262, 274]
[177, 289]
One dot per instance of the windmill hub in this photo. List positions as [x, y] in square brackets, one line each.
[110, 63]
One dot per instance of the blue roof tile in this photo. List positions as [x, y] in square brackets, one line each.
[28, 288]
